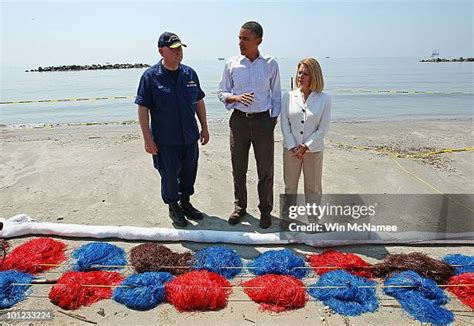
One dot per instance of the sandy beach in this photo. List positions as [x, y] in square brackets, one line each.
[101, 174]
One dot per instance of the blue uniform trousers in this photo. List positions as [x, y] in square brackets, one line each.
[177, 165]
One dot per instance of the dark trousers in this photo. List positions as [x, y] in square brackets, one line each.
[178, 168]
[256, 130]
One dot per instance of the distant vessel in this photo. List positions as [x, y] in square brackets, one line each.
[435, 53]
[327, 57]
[220, 58]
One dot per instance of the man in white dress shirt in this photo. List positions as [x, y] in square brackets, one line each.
[250, 86]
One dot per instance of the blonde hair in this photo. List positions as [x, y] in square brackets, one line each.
[315, 73]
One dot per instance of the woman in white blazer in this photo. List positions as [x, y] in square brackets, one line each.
[305, 118]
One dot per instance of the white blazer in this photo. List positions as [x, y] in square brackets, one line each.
[305, 123]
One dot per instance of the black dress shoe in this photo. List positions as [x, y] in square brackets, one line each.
[284, 225]
[190, 211]
[236, 215]
[177, 216]
[265, 221]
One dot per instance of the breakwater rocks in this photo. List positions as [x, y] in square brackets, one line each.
[461, 59]
[90, 67]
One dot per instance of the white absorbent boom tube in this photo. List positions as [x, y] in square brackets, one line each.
[21, 225]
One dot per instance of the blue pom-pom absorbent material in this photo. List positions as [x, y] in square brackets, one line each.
[423, 301]
[281, 262]
[346, 294]
[143, 291]
[220, 260]
[11, 294]
[461, 263]
[98, 256]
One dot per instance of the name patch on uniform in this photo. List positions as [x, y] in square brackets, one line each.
[191, 83]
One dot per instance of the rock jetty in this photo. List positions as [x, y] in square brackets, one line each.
[90, 67]
[461, 59]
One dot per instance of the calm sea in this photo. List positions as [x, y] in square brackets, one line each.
[357, 87]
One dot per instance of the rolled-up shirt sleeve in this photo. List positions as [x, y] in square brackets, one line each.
[275, 87]
[316, 139]
[143, 94]
[225, 87]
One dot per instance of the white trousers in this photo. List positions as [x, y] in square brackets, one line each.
[312, 166]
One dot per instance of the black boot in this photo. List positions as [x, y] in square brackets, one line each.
[265, 221]
[176, 214]
[189, 210]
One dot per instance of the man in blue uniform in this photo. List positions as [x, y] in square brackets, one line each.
[170, 93]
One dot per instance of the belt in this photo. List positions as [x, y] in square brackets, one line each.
[252, 115]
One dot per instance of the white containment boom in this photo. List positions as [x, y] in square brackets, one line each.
[21, 225]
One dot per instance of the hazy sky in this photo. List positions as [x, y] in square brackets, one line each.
[82, 32]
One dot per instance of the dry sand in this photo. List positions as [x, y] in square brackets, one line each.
[100, 174]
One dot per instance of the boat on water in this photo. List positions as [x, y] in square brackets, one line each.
[220, 58]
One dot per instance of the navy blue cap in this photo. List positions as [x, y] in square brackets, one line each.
[170, 40]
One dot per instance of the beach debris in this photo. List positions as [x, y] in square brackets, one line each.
[76, 289]
[198, 291]
[344, 293]
[464, 292]
[434, 269]
[423, 154]
[13, 287]
[98, 256]
[220, 260]
[276, 293]
[3, 251]
[334, 260]
[78, 317]
[153, 257]
[35, 256]
[281, 262]
[143, 291]
[247, 319]
[420, 297]
[461, 263]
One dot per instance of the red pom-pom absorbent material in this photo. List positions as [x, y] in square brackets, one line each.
[35, 256]
[76, 289]
[332, 258]
[463, 293]
[198, 291]
[276, 292]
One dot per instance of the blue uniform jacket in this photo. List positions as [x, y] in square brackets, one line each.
[172, 109]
